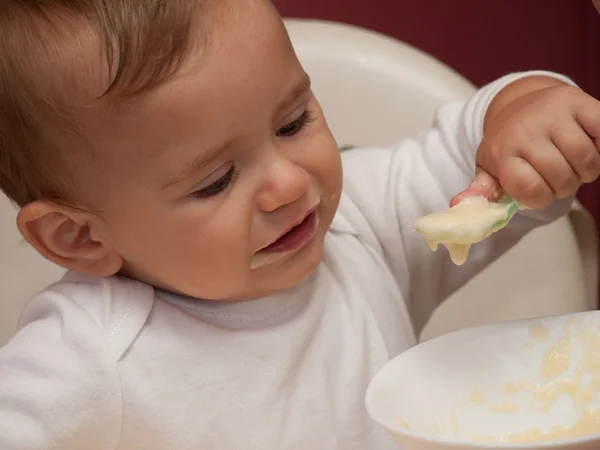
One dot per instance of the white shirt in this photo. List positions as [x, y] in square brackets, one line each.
[106, 364]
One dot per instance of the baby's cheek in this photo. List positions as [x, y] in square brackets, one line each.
[329, 174]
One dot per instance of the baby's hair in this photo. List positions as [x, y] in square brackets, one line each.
[139, 43]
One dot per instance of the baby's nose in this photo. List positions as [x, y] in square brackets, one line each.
[284, 183]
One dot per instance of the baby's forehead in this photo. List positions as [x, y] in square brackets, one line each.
[233, 87]
[237, 45]
[96, 61]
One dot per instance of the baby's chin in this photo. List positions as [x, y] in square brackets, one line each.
[267, 280]
[283, 275]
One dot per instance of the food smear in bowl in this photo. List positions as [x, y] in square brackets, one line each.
[569, 379]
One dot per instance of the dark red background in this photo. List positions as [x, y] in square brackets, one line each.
[484, 39]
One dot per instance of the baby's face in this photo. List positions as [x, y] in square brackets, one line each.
[208, 171]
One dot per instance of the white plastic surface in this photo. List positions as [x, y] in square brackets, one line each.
[374, 90]
[23, 272]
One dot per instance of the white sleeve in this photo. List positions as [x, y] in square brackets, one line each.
[59, 384]
[395, 186]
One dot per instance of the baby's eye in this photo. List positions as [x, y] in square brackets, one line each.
[296, 126]
[218, 186]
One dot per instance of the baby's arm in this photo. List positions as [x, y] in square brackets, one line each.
[397, 185]
[59, 386]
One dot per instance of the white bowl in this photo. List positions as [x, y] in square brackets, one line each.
[496, 387]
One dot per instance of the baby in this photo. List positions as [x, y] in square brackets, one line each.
[224, 291]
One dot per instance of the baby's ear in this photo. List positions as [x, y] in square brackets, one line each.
[68, 237]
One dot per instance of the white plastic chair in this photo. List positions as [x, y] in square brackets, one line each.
[375, 90]
[23, 272]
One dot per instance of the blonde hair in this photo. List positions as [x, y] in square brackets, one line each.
[142, 42]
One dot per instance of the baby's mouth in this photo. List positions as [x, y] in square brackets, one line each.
[293, 239]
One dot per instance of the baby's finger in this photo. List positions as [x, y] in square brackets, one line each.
[552, 166]
[523, 183]
[579, 150]
[587, 115]
[483, 185]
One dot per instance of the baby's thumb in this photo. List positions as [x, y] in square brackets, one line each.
[483, 185]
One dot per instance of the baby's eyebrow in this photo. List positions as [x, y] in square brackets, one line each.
[193, 166]
[299, 89]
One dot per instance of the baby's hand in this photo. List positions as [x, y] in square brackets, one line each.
[539, 143]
